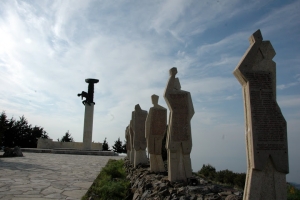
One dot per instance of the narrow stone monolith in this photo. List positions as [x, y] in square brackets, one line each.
[128, 142]
[156, 123]
[131, 134]
[89, 113]
[266, 129]
[139, 141]
[179, 135]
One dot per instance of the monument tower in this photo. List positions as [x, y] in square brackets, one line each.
[89, 113]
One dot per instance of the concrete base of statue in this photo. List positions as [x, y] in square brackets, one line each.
[88, 126]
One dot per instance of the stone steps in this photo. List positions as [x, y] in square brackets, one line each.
[70, 151]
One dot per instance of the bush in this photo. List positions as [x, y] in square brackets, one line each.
[292, 192]
[111, 183]
[223, 176]
[208, 171]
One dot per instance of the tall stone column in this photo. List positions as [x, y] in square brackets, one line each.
[89, 113]
[266, 129]
[88, 126]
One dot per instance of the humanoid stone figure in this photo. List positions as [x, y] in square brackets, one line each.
[156, 123]
[131, 134]
[139, 140]
[128, 142]
[266, 129]
[179, 138]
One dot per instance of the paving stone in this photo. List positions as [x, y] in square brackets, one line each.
[85, 185]
[75, 193]
[40, 176]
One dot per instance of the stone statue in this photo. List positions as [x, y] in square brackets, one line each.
[89, 96]
[265, 126]
[128, 142]
[179, 138]
[139, 141]
[156, 123]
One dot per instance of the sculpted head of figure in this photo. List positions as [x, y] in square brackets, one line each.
[137, 107]
[154, 99]
[177, 85]
[173, 71]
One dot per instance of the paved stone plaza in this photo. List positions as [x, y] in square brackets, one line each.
[38, 176]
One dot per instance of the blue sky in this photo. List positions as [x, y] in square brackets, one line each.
[48, 49]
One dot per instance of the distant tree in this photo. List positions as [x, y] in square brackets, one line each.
[105, 146]
[118, 146]
[3, 126]
[67, 137]
[19, 133]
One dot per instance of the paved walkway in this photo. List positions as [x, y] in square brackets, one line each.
[38, 176]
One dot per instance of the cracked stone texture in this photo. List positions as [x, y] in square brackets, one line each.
[38, 176]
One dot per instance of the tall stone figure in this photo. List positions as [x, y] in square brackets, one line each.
[139, 141]
[89, 113]
[131, 133]
[156, 123]
[179, 137]
[266, 129]
[128, 142]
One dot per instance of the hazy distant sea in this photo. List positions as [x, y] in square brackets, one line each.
[296, 185]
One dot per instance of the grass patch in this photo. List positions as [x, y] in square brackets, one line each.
[111, 183]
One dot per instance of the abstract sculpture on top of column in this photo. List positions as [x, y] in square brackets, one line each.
[89, 113]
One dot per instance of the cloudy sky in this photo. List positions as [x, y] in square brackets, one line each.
[49, 48]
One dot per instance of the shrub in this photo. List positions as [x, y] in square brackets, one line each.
[111, 183]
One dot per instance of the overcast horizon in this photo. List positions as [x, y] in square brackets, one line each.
[49, 48]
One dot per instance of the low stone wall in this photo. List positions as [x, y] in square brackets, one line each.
[147, 185]
[50, 144]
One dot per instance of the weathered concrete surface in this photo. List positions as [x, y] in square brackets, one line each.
[49, 176]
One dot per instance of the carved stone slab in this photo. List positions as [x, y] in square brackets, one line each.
[266, 127]
[180, 125]
[139, 118]
[158, 121]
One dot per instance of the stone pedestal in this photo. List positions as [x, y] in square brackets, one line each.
[140, 157]
[88, 126]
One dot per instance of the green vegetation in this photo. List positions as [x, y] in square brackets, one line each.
[105, 146]
[111, 183]
[66, 138]
[19, 132]
[292, 192]
[119, 147]
[224, 176]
